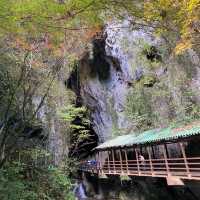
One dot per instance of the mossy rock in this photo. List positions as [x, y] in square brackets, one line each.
[103, 176]
[148, 81]
[125, 178]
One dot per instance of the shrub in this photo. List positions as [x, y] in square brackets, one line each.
[21, 180]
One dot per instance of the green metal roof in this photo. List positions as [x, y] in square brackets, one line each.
[153, 136]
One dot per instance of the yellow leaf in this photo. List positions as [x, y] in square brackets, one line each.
[182, 46]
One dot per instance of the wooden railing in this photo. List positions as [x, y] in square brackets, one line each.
[188, 168]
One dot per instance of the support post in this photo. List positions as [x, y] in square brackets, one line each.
[96, 163]
[185, 159]
[113, 158]
[108, 162]
[121, 164]
[126, 157]
[100, 162]
[150, 160]
[166, 162]
[166, 150]
[153, 153]
[138, 164]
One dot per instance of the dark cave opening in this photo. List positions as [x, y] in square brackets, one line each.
[73, 83]
[83, 148]
[15, 122]
[34, 132]
[99, 65]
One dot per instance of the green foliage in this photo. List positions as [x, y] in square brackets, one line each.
[189, 110]
[38, 17]
[21, 180]
[176, 18]
[70, 112]
[148, 80]
[79, 123]
[45, 15]
[60, 185]
[24, 88]
[12, 185]
[175, 105]
[138, 107]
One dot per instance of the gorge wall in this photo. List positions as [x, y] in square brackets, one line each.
[132, 80]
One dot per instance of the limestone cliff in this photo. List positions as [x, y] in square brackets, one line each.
[132, 80]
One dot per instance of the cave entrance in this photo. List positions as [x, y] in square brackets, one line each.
[82, 140]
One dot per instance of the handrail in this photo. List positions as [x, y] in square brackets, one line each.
[169, 159]
[150, 167]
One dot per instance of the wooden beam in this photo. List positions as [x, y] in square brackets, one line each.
[138, 164]
[174, 181]
[113, 158]
[108, 162]
[185, 159]
[120, 158]
[126, 157]
[166, 149]
[150, 160]
[153, 153]
[100, 162]
[96, 161]
[166, 161]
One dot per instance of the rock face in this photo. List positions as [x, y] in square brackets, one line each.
[125, 58]
[56, 130]
[132, 74]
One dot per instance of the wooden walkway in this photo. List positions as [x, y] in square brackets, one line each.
[173, 167]
[171, 153]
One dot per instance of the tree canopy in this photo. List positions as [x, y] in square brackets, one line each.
[54, 17]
